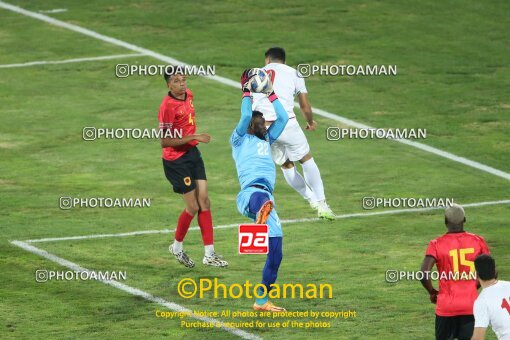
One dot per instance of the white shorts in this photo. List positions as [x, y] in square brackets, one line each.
[291, 145]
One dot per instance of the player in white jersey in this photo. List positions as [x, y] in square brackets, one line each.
[492, 307]
[292, 145]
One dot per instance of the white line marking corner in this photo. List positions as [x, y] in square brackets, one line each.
[75, 60]
[234, 225]
[133, 291]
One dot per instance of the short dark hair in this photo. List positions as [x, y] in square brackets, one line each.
[256, 113]
[276, 53]
[485, 267]
[172, 71]
[167, 76]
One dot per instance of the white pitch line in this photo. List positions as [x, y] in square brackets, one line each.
[70, 238]
[235, 84]
[133, 291]
[56, 10]
[235, 225]
[421, 146]
[76, 60]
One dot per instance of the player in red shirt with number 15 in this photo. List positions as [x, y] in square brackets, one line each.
[184, 168]
[454, 254]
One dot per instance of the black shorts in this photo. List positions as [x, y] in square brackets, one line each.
[454, 327]
[185, 170]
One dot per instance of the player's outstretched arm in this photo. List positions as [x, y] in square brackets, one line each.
[282, 117]
[482, 319]
[173, 142]
[246, 110]
[306, 110]
[478, 333]
[426, 267]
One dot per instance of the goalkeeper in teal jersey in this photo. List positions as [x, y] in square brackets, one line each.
[256, 171]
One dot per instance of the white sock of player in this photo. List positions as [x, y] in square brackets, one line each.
[209, 250]
[295, 180]
[313, 178]
[177, 247]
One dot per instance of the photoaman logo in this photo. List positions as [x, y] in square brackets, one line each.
[188, 288]
[253, 239]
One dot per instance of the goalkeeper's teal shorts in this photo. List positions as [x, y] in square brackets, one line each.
[243, 205]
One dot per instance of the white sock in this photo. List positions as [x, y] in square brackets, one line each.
[296, 181]
[177, 247]
[313, 178]
[209, 250]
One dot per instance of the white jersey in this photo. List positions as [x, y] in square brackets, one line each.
[493, 307]
[286, 84]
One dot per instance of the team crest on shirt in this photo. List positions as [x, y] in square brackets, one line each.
[271, 74]
[187, 181]
[191, 103]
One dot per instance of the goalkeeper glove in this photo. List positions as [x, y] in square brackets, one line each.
[245, 78]
[268, 90]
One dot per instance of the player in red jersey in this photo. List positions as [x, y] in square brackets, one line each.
[454, 254]
[185, 169]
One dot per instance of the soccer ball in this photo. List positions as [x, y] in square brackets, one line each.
[259, 80]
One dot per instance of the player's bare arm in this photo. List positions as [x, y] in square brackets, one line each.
[478, 333]
[428, 263]
[172, 142]
[306, 110]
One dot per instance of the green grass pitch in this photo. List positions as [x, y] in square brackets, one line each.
[453, 80]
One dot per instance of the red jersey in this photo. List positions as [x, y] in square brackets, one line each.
[177, 115]
[455, 254]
